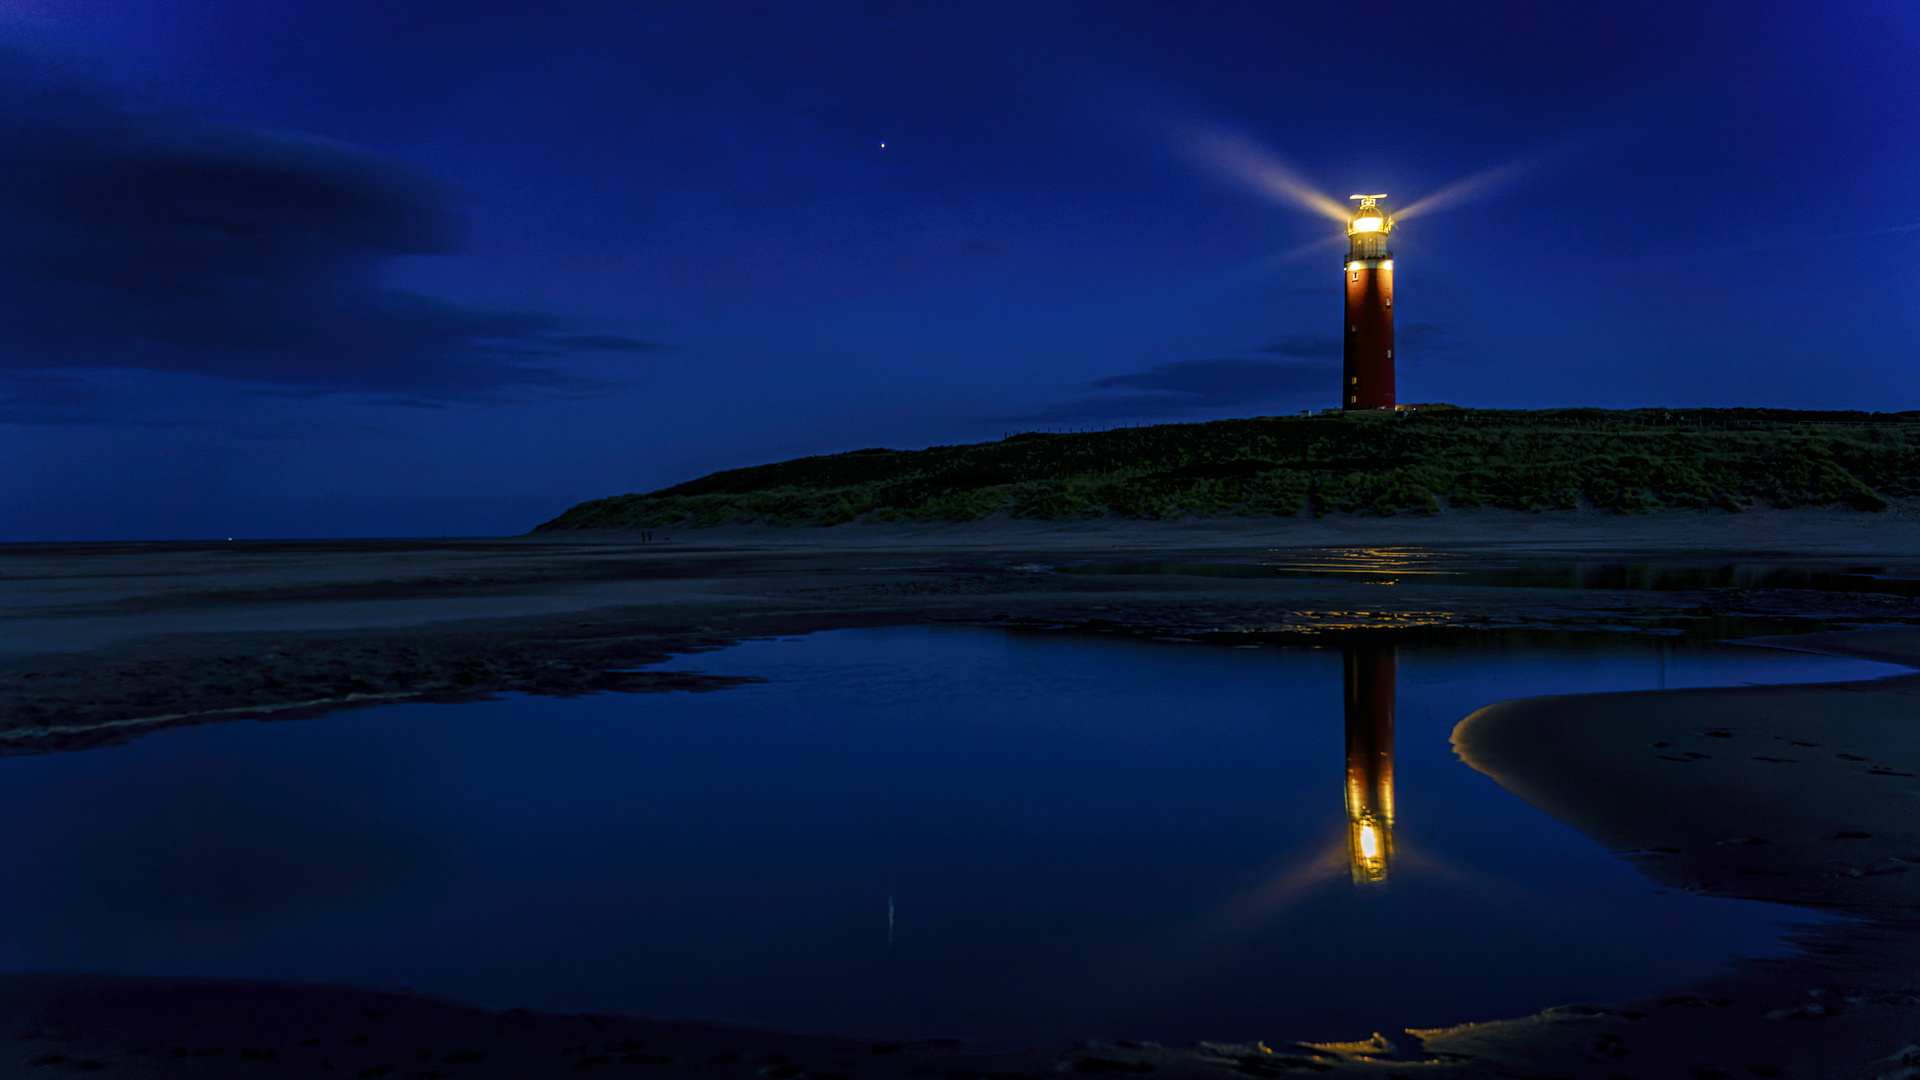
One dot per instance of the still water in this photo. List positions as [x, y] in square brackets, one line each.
[1016, 839]
[1390, 565]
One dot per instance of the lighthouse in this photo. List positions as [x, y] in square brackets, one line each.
[1366, 376]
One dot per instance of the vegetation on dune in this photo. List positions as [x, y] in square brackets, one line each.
[1629, 462]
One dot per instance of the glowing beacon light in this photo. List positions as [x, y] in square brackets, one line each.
[1366, 376]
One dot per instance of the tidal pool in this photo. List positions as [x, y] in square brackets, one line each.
[1013, 838]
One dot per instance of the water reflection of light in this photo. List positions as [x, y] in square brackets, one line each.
[1369, 683]
[1376, 561]
[1369, 849]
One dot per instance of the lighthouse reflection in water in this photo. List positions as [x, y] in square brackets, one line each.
[1369, 714]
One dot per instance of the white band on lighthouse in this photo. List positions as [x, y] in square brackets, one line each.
[1370, 264]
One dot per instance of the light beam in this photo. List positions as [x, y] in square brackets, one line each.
[1488, 181]
[1255, 167]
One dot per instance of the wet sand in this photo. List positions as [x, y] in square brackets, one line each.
[1801, 795]
[103, 640]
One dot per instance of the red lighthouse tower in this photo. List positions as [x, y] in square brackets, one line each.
[1366, 378]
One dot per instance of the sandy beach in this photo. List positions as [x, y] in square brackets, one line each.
[103, 638]
[1801, 795]
[1797, 795]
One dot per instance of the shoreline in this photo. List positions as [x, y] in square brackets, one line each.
[104, 640]
[115, 642]
[1810, 529]
[1797, 795]
[1806, 529]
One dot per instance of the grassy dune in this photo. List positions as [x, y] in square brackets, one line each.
[1629, 462]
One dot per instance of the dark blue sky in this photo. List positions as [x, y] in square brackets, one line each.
[337, 267]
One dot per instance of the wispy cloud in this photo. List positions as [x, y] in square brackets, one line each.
[47, 397]
[1416, 341]
[1187, 386]
[135, 238]
[1304, 345]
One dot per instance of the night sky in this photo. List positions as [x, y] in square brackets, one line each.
[354, 268]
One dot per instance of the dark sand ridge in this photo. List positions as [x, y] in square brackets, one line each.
[105, 642]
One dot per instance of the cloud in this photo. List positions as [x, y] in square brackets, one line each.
[1309, 374]
[45, 397]
[135, 238]
[1303, 345]
[1221, 382]
[1190, 385]
[1416, 341]
[604, 343]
